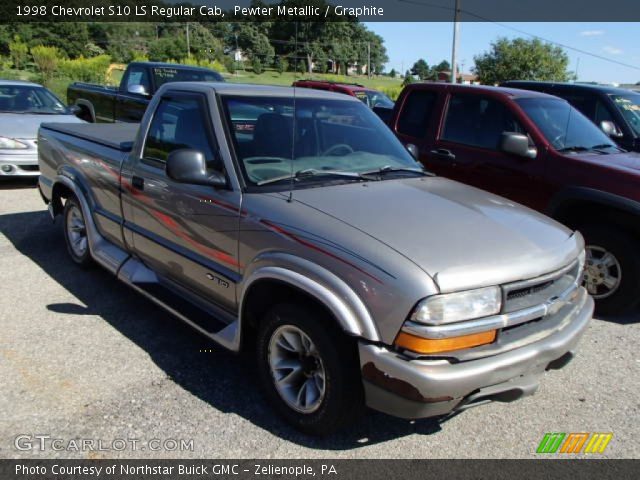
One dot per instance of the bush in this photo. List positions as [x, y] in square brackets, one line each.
[230, 65]
[256, 66]
[92, 70]
[46, 60]
[281, 65]
[19, 52]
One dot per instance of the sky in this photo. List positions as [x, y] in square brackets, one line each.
[407, 42]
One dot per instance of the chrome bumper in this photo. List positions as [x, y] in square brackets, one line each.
[419, 388]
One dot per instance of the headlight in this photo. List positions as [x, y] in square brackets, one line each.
[459, 306]
[11, 144]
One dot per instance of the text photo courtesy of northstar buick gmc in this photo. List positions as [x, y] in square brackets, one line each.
[293, 224]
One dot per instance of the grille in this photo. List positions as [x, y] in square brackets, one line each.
[529, 293]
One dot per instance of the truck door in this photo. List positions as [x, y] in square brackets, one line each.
[469, 142]
[130, 107]
[187, 234]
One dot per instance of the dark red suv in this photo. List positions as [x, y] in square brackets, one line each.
[372, 98]
[540, 151]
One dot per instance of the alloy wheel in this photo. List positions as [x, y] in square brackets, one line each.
[297, 369]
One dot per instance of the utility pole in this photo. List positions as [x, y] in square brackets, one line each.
[188, 44]
[369, 59]
[454, 49]
[577, 67]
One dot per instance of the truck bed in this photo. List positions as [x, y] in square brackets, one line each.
[119, 136]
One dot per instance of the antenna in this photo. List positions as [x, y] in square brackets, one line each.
[293, 123]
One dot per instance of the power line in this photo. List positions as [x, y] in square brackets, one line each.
[508, 27]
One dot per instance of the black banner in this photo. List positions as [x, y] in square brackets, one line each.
[316, 469]
[319, 10]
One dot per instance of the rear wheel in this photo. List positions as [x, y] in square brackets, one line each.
[75, 232]
[612, 269]
[309, 369]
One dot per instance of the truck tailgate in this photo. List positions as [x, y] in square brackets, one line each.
[119, 136]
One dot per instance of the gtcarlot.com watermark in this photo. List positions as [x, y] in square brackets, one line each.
[46, 442]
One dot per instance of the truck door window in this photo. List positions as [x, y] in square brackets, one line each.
[602, 113]
[416, 113]
[180, 122]
[138, 76]
[478, 121]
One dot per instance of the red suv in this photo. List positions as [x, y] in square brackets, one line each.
[371, 98]
[540, 151]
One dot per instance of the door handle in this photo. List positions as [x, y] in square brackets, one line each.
[443, 153]
[137, 182]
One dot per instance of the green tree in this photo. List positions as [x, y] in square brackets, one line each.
[421, 69]
[19, 52]
[46, 59]
[393, 73]
[408, 78]
[256, 65]
[281, 64]
[521, 59]
[168, 48]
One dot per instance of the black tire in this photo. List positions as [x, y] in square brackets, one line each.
[625, 248]
[72, 207]
[343, 400]
[85, 115]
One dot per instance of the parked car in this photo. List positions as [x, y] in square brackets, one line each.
[539, 151]
[371, 98]
[23, 107]
[615, 110]
[128, 102]
[320, 245]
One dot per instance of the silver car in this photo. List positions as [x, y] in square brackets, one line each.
[23, 107]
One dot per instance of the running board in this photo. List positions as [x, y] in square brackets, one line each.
[218, 325]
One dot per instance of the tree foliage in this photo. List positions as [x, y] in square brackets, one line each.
[19, 52]
[521, 59]
[46, 59]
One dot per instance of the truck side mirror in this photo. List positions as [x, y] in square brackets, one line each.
[137, 90]
[517, 144]
[610, 128]
[190, 166]
[413, 150]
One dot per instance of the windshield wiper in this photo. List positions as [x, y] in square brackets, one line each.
[312, 172]
[581, 148]
[389, 169]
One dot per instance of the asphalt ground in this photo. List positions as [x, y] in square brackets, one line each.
[83, 357]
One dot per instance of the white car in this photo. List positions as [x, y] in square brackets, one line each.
[23, 107]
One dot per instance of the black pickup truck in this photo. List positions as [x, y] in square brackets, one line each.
[128, 102]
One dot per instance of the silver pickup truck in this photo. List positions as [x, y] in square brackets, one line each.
[292, 223]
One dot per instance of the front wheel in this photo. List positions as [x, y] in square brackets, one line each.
[612, 269]
[309, 369]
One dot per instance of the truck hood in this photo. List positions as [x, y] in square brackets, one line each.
[24, 125]
[461, 236]
[623, 160]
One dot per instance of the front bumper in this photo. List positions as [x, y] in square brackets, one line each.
[13, 165]
[419, 388]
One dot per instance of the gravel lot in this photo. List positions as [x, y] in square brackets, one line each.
[82, 356]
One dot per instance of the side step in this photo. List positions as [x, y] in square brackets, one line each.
[212, 321]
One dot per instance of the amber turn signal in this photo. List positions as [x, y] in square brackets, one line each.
[438, 345]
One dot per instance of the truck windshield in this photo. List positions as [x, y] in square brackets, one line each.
[629, 106]
[373, 98]
[29, 99]
[564, 127]
[326, 138]
[164, 75]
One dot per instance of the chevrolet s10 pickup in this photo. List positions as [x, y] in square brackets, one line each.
[291, 223]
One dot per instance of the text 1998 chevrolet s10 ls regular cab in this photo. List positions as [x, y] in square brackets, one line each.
[294, 224]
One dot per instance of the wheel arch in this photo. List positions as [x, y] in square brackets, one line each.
[86, 104]
[579, 205]
[279, 277]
